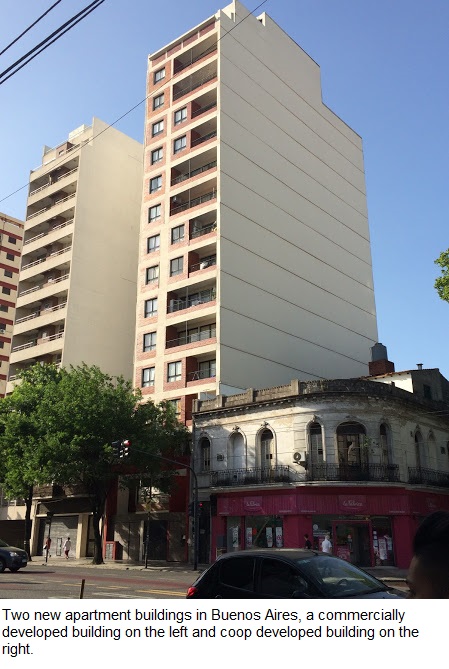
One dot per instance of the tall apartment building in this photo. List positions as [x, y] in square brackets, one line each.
[11, 239]
[254, 260]
[77, 289]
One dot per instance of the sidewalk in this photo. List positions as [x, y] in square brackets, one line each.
[124, 565]
[387, 573]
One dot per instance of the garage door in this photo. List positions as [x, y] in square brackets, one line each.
[61, 528]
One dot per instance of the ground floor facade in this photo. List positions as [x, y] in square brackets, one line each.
[368, 526]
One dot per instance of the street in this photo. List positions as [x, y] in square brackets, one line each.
[39, 581]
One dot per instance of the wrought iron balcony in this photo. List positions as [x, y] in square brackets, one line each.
[371, 472]
[251, 476]
[431, 477]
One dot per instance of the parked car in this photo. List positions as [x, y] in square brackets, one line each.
[287, 573]
[12, 558]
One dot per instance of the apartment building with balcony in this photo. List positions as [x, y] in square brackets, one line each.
[11, 239]
[77, 283]
[362, 460]
[254, 258]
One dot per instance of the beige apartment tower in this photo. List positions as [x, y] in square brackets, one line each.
[254, 258]
[77, 289]
[11, 239]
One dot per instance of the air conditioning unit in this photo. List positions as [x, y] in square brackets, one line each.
[300, 457]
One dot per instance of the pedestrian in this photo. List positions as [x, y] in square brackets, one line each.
[66, 547]
[47, 546]
[307, 542]
[326, 546]
[428, 575]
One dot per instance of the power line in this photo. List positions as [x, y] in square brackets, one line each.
[29, 27]
[39, 48]
[111, 125]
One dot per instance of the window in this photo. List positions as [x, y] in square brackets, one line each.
[6, 291]
[180, 115]
[266, 449]
[177, 234]
[278, 579]
[2, 344]
[12, 240]
[3, 307]
[176, 404]
[155, 184]
[148, 377]
[10, 256]
[152, 274]
[157, 155]
[205, 454]
[154, 212]
[427, 392]
[174, 370]
[157, 128]
[159, 75]
[8, 273]
[149, 341]
[238, 573]
[158, 101]
[151, 307]
[176, 266]
[153, 243]
[180, 144]
[207, 369]
[316, 445]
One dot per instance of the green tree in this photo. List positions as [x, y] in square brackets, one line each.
[442, 282]
[24, 457]
[88, 411]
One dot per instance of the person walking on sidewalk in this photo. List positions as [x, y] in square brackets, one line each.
[326, 546]
[66, 547]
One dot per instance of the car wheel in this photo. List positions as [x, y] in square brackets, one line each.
[14, 569]
[2, 565]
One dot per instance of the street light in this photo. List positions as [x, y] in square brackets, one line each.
[48, 540]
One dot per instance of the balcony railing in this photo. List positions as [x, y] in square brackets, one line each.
[192, 337]
[203, 110]
[179, 67]
[188, 175]
[36, 314]
[203, 264]
[34, 342]
[199, 374]
[430, 477]
[41, 211]
[187, 302]
[199, 232]
[371, 472]
[252, 476]
[194, 202]
[193, 86]
[43, 285]
[51, 255]
[203, 138]
[44, 234]
[62, 176]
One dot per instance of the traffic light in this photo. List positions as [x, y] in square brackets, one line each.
[117, 449]
[191, 509]
[126, 443]
[200, 508]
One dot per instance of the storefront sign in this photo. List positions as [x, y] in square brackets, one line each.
[269, 533]
[344, 553]
[253, 504]
[354, 503]
[279, 541]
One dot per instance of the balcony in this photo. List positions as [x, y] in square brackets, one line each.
[205, 263]
[50, 255]
[203, 109]
[252, 476]
[197, 229]
[190, 173]
[194, 81]
[40, 318]
[202, 297]
[62, 200]
[185, 201]
[200, 51]
[193, 335]
[41, 235]
[371, 472]
[430, 477]
[51, 180]
[35, 342]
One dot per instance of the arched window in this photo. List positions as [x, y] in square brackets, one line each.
[351, 441]
[236, 451]
[316, 444]
[420, 455]
[385, 445]
[431, 451]
[205, 454]
[266, 450]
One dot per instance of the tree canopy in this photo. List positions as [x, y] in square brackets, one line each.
[442, 282]
[59, 425]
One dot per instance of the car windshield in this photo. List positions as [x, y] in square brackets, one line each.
[3, 544]
[337, 578]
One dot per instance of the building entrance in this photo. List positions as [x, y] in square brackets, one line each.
[352, 542]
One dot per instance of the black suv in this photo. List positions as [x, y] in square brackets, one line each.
[12, 558]
[284, 574]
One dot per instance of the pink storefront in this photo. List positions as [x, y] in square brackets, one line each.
[368, 526]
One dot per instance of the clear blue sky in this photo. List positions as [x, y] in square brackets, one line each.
[384, 71]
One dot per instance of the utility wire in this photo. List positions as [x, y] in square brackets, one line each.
[29, 27]
[117, 120]
[68, 25]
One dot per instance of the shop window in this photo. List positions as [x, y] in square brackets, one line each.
[352, 450]
[264, 532]
[382, 541]
[266, 450]
[233, 534]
